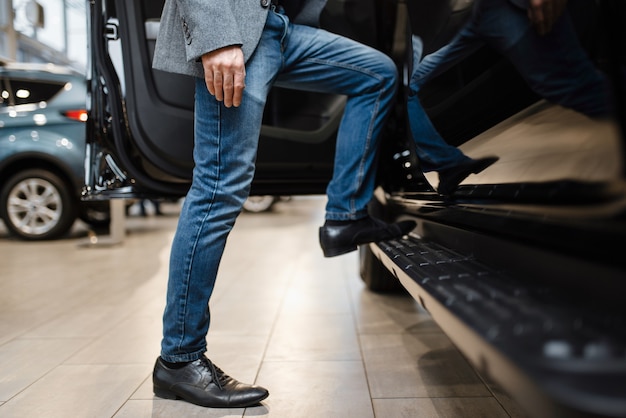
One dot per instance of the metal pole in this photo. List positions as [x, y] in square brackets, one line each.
[65, 36]
[117, 228]
[8, 30]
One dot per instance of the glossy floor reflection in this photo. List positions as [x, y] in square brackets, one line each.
[80, 329]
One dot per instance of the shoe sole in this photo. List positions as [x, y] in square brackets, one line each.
[338, 251]
[168, 394]
[333, 252]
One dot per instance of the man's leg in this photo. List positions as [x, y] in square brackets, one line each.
[225, 147]
[557, 68]
[224, 151]
[496, 20]
[433, 152]
[320, 61]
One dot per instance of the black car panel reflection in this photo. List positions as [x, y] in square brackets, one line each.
[522, 267]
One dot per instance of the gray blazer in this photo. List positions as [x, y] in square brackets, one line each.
[191, 28]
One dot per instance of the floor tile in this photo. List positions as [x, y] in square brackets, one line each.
[77, 391]
[439, 408]
[134, 341]
[390, 313]
[24, 361]
[418, 366]
[169, 409]
[92, 323]
[314, 338]
[316, 389]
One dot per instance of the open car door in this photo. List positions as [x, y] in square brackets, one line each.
[141, 120]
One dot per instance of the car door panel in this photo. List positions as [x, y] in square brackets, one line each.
[297, 137]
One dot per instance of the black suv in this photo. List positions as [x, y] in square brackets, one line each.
[522, 267]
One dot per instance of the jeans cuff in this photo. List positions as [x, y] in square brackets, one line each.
[180, 358]
[336, 216]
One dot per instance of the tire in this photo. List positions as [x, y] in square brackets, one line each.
[375, 275]
[257, 204]
[36, 204]
[97, 214]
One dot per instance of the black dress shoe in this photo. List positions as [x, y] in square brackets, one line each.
[450, 179]
[202, 383]
[341, 239]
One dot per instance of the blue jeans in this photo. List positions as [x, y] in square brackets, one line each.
[225, 148]
[555, 66]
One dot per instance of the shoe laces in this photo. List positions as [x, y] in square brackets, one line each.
[219, 377]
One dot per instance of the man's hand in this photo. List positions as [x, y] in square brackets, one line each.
[543, 13]
[224, 74]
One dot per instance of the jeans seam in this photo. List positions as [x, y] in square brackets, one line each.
[368, 145]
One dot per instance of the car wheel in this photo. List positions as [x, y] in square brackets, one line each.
[375, 275]
[36, 204]
[259, 203]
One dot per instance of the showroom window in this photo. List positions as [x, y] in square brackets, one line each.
[41, 30]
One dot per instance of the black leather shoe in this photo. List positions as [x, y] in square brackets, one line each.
[341, 239]
[202, 383]
[450, 179]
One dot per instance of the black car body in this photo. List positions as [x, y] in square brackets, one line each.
[522, 267]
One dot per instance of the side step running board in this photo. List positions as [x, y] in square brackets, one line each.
[555, 357]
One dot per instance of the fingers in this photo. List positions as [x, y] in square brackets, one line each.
[224, 75]
[238, 86]
[229, 88]
[213, 80]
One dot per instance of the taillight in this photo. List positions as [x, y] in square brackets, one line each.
[79, 115]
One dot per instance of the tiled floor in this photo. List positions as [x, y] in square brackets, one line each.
[80, 329]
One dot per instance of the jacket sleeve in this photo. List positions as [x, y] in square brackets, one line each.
[207, 25]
